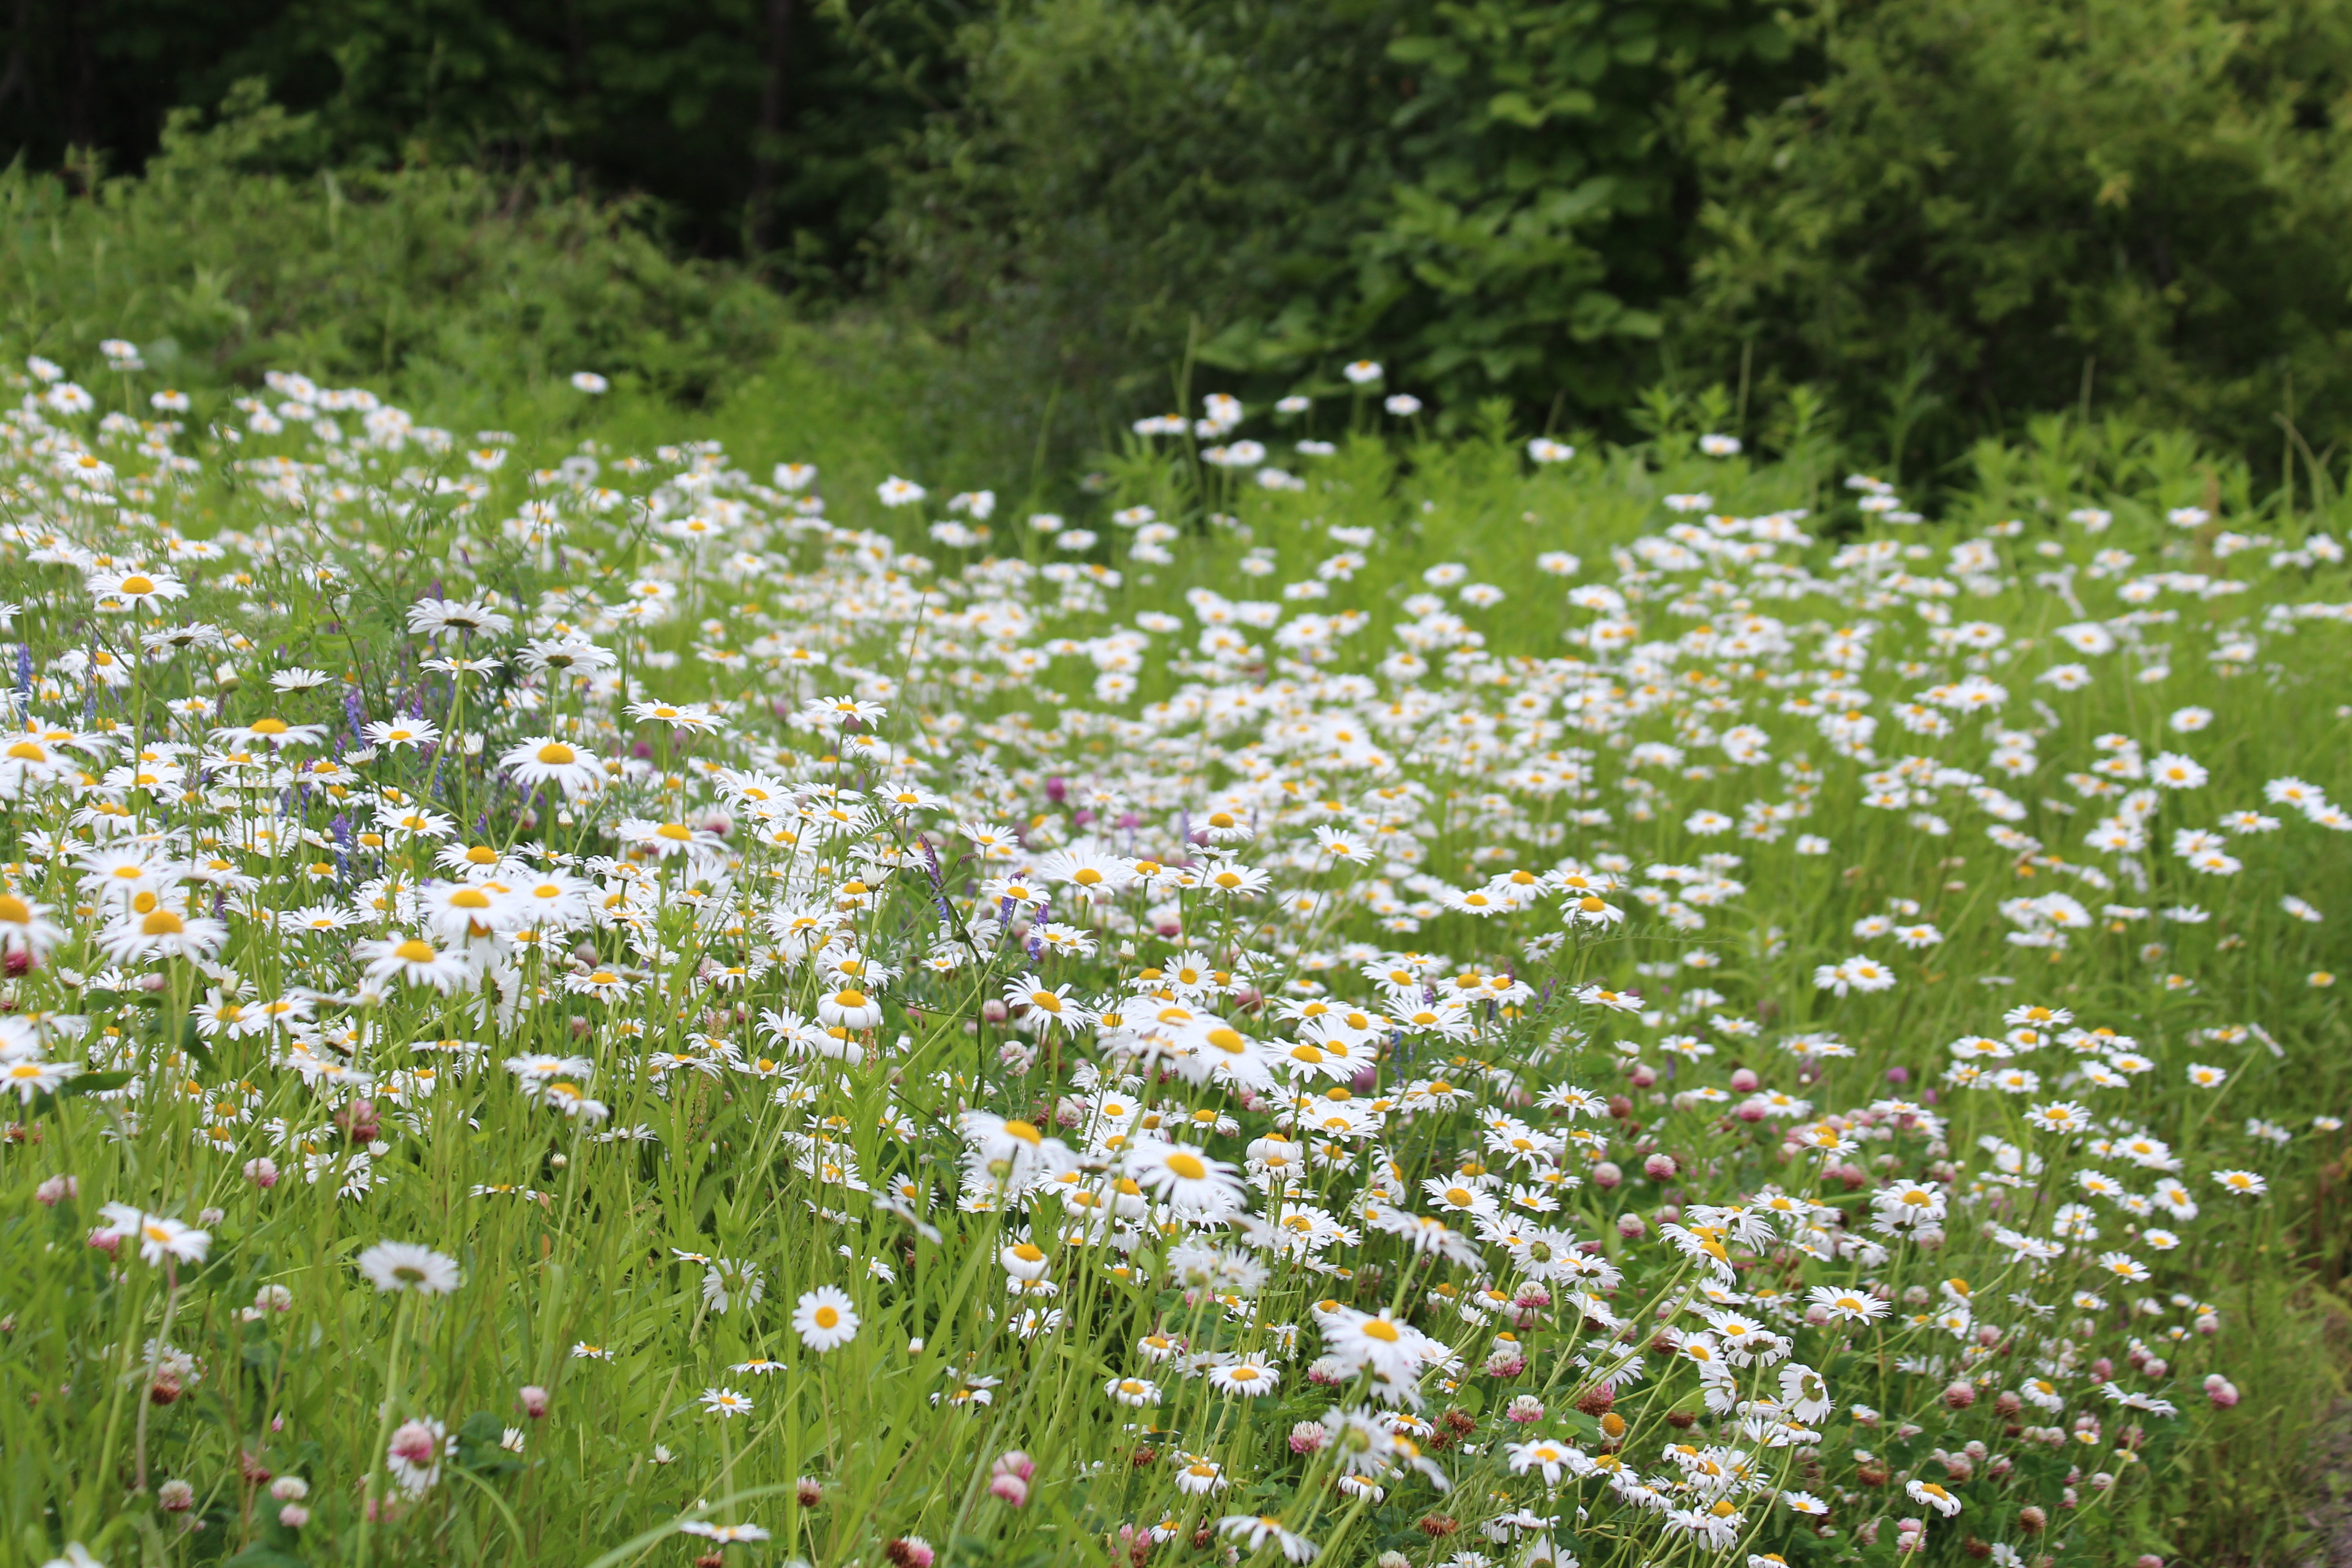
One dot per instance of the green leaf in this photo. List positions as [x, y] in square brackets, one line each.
[92, 1083]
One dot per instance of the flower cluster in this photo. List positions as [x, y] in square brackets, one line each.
[1739, 1074]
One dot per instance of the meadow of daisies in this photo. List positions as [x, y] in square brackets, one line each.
[1361, 999]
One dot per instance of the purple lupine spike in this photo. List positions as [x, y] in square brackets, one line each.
[355, 715]
[938, 883]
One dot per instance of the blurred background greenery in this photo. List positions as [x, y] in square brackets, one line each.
[1009, 225]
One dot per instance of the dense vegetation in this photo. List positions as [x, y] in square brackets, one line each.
[1944, 215]
[697, 767]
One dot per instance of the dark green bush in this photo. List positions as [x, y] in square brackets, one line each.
[1983, 209]
[1482, 193]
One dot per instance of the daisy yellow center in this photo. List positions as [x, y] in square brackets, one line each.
[828, 1317]
[1086, 877]
[414, 950]
[850, 999]
[269, 726]
[556, 754]
[469, 899]
[134, 583]
[676, 832]
[1382, 1329]
[162, 923]
[1188, 1166]
[14, 911]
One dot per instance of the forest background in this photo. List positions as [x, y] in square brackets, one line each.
[1013, 225]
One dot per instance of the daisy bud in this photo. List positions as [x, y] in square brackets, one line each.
[293, 1516]
[175, 1496]
[1307, 1437]
[534, 1401]
[262, 1172]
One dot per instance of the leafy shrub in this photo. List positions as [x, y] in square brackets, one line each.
[221, 263]
[1481, 192]
[2018, 207]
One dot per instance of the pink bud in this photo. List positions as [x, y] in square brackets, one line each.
[1307, 1437]
[2102, 1369]
[1642, 1075]
[1659, 1167]
[534, 1401]
[1606, 1174]
[1959, 1395]
[55, 1190]
[1630, 1225]
[1010, 1489]
[1014, 1462]
[2220, 1391]
[1745, 1082]
[106, 1241]
[1750, 1110]
[262, 1172]
[293, 1516]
